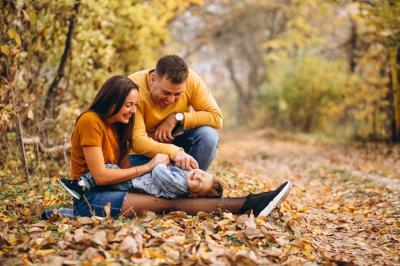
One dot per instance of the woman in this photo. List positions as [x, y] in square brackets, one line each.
[103, 135]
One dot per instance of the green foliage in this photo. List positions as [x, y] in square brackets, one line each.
[109, 37]
[305, 93]
[311, 94]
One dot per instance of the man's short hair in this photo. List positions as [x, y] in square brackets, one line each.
[174, 67]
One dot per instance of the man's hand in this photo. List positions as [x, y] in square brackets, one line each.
[164, 130]
[185, 161]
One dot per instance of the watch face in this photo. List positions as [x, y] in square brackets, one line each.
[179, 116]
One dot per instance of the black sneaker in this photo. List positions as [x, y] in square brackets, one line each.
[72, 187]
[263, 203]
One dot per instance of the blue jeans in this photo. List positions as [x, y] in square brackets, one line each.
[96, 200]
[201, 143]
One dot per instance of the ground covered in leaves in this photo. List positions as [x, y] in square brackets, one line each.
[344, 209]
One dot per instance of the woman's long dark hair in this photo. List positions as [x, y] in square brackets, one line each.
[112, 95]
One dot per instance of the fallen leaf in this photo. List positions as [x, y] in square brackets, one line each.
[78, 236]
[100, 238]
[252, 233]
[250, 223]
[84, 220]
[129, 244]
[44, 252]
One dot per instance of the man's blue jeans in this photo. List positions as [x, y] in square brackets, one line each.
[201, 143]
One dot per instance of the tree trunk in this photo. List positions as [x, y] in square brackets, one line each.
[20, 144]
[395, 89]
[49, 102]
[353, 46]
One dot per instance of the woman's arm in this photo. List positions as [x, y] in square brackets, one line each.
[103, 176]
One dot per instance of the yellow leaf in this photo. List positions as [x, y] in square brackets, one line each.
[5, 49]
[19, 200]
[14, 35]
[308, 251]
[334, 208]
[308, 247]
[44, 252]
[17, 39]
[11, 33]
[318, 230]
[303, 209]
[12, 239]
[167, 223]
[152, 253]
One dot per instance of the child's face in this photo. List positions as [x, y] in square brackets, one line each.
[199, 182]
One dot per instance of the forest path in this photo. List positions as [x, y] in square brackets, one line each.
[346, 199]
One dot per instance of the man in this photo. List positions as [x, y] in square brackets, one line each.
[166, 96]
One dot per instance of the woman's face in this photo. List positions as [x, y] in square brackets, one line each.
[128, 108]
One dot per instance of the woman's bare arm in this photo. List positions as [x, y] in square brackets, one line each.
[103, 176]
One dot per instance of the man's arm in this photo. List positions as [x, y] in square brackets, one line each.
[143, 144]
[207, 112]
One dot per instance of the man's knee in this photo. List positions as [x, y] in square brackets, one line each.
[137, 159]
[207, 136]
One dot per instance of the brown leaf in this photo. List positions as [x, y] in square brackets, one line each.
[120, 235]
[273, 251]
[129, 244]
[177, 214]
[171, 251]
[100, 238]
[244, 260]
[54, 261]
[250, 223]
[78, 236]
[252, 233]
[35, 230]
[90, 253]
[154, 233]
[41, 224]
[84, 220]
[294, 261]
[107, 210]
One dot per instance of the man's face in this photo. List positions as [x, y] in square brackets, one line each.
[163, 91]
[200, 182]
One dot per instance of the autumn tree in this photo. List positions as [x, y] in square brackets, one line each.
[384, 17]
[56, 54]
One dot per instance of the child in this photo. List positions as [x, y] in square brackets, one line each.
[163, 181]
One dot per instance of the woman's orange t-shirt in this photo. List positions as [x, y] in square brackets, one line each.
[91, 130]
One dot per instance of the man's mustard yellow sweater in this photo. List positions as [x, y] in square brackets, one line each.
[149, 115]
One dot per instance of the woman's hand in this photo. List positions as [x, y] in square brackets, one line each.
[159, 158]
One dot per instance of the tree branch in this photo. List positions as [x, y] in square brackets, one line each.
[60, 72]
[54, 149]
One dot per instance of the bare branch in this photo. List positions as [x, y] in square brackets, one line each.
[54, 149]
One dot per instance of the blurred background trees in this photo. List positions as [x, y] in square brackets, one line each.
[310, 66]
[297, 65]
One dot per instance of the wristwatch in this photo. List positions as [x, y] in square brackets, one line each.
[179, 118]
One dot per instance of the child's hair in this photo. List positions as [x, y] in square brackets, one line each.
[216, 190]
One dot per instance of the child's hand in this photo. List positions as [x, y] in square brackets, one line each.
[159, 158]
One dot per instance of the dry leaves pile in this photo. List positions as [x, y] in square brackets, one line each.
[338, 212]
